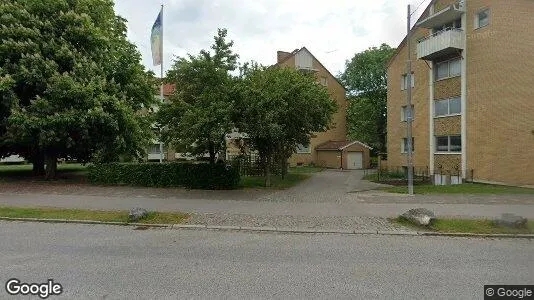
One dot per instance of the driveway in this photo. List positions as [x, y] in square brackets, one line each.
[327, 199]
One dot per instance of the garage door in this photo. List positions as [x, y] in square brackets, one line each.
[354, 160]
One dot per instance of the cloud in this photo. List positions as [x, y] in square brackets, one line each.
[332, 30]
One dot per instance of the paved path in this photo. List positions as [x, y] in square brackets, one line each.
[324, 201]
[111, 262]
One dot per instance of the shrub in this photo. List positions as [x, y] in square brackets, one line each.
[194, 176]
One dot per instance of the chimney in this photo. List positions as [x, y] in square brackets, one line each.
[281, 55]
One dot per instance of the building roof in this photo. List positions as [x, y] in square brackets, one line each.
[294, 52]
[339, 145]
[168, 89]
[403, 42]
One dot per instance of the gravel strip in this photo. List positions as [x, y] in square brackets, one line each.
[338, 223]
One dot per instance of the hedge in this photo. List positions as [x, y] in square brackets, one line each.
[188, 175]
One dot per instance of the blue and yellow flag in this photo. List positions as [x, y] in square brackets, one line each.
[156, 39]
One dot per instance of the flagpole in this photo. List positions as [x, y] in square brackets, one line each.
[161, 88]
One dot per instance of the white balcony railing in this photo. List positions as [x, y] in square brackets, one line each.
[440, 43]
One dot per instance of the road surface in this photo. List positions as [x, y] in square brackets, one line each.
[114, 262]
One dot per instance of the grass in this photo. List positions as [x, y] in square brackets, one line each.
[93, 215]
[305, 169]
[465, 188]
[468, 226]
[277, 182]
[293, 177]
[384, 176]
[15, 172]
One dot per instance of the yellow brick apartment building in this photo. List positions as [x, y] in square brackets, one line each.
[472, 92]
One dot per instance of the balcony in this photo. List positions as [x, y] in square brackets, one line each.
[444, 16]
[441, 43]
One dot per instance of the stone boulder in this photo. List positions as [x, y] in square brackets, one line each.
[419, 216]
[137, 214]
[512, 221]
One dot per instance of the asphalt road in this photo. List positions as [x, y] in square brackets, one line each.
[112, 262]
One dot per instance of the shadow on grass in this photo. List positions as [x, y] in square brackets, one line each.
[291, 179]
[66, 173]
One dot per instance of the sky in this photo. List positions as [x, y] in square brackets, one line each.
[332, 30]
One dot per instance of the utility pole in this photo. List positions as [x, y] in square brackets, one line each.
[161, 89]
[409, 105]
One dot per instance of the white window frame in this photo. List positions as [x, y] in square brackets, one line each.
[448, 62]
[436, 151]
[404, 114]
[323, 81]
[154, 146]
[404, 81]
[477, 18]
[301, 149]
[448, 114]
[404, 145]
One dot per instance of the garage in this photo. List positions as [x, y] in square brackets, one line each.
[351, 155]
[354, 160]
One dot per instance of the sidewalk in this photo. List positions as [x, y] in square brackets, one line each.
[349, 207]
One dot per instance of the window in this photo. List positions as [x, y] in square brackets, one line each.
[446, 107]
[482, 18]
[303, 149]
[154, 149]
[324, 82]
[404, 146]
[455, 68]
[405, 113]
[450, 68]
[404, 81]
[451, 143]
[455, 106]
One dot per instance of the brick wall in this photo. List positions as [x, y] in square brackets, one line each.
[500, 92]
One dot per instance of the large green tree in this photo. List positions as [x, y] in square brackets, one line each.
[198, 115]
[76, 84]
[278, 109]
[365, 77]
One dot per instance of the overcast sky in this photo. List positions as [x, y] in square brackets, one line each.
[332, 30]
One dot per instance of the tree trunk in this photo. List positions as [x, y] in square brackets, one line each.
[212, 153]
[38, 163]
[268, 171]
[283, 165]
[51, 167]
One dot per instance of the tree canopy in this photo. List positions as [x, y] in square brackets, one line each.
[278, 109]
[198, 115]
[72, 84]
[365, 77]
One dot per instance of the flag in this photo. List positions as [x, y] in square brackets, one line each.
[156, 39]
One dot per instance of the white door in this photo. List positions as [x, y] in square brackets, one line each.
[354, 160]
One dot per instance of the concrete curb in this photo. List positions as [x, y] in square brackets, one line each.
[277, 230]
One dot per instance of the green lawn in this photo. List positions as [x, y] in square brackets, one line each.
[294, 177]
[466, 188]
[468, 226]
[384, 176]
[291, 179]
[305, 169]
[93, 215]
[71, 171]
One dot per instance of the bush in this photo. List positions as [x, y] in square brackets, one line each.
[194, 176]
